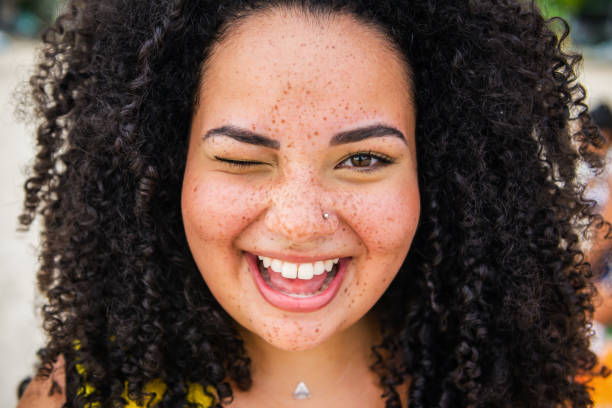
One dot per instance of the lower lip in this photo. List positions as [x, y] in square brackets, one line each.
[299, 305]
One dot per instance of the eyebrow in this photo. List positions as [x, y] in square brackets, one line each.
[355, 135]
[244, 136]
[349, 136]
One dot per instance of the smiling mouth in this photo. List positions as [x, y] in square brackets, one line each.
[297, 287]
[298, 281]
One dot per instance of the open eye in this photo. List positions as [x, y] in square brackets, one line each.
[365, 161]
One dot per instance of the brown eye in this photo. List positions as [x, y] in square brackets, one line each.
[365, 161]
[361, 160]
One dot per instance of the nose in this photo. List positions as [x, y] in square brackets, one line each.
[301, 211]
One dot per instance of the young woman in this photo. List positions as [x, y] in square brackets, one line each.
[310, 204]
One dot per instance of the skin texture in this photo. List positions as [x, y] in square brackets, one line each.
[327, 77]
[602, 245]
[276, 207]
[603, 305]
[490, 307]
[46, 391]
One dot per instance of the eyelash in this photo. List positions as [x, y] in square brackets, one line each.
[383, 160]
[237, 163]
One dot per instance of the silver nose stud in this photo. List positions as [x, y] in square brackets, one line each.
[325, 216]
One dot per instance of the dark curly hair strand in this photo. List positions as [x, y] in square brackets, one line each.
[491, 306]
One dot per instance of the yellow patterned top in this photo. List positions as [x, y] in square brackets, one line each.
[157, 388]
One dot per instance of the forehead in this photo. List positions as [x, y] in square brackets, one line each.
[286, 55]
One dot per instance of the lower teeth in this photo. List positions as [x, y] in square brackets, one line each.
[265, 273]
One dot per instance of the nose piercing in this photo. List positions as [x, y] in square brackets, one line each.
[325, 216]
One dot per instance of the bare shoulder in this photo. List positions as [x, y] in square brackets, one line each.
[48, 392]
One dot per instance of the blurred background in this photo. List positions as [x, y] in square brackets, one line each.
[22, 21]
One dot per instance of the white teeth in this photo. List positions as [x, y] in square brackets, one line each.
[289, 270]
[276, 265]
[266, 261]
[319, 268]
[305, 271]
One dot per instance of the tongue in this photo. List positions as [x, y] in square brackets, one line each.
[296, 286]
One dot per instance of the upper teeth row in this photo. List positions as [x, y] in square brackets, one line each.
[301, 271]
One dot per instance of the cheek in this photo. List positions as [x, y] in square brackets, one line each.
[385, 223]
[215, 210]
[387, 219]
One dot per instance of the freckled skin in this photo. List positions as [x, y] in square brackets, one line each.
[320, 82]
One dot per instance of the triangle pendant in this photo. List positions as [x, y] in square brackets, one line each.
[301, 392]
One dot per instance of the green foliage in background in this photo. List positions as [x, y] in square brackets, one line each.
[45, 10]
[561, 8]
[569, 8]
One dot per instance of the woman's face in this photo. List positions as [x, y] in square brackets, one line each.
[301, 152]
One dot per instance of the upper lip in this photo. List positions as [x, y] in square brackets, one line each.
[294, 257]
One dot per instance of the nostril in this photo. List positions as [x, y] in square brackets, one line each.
[300, 224]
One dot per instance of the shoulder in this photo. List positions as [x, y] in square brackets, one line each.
[46, 391]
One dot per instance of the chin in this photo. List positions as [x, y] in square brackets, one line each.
[286, 332]
[291, 340]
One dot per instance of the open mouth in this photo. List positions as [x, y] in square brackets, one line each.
[298, 280]
[297, 287]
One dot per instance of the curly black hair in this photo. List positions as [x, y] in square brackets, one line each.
[492, 305]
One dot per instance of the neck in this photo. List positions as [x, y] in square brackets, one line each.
[333, 371]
